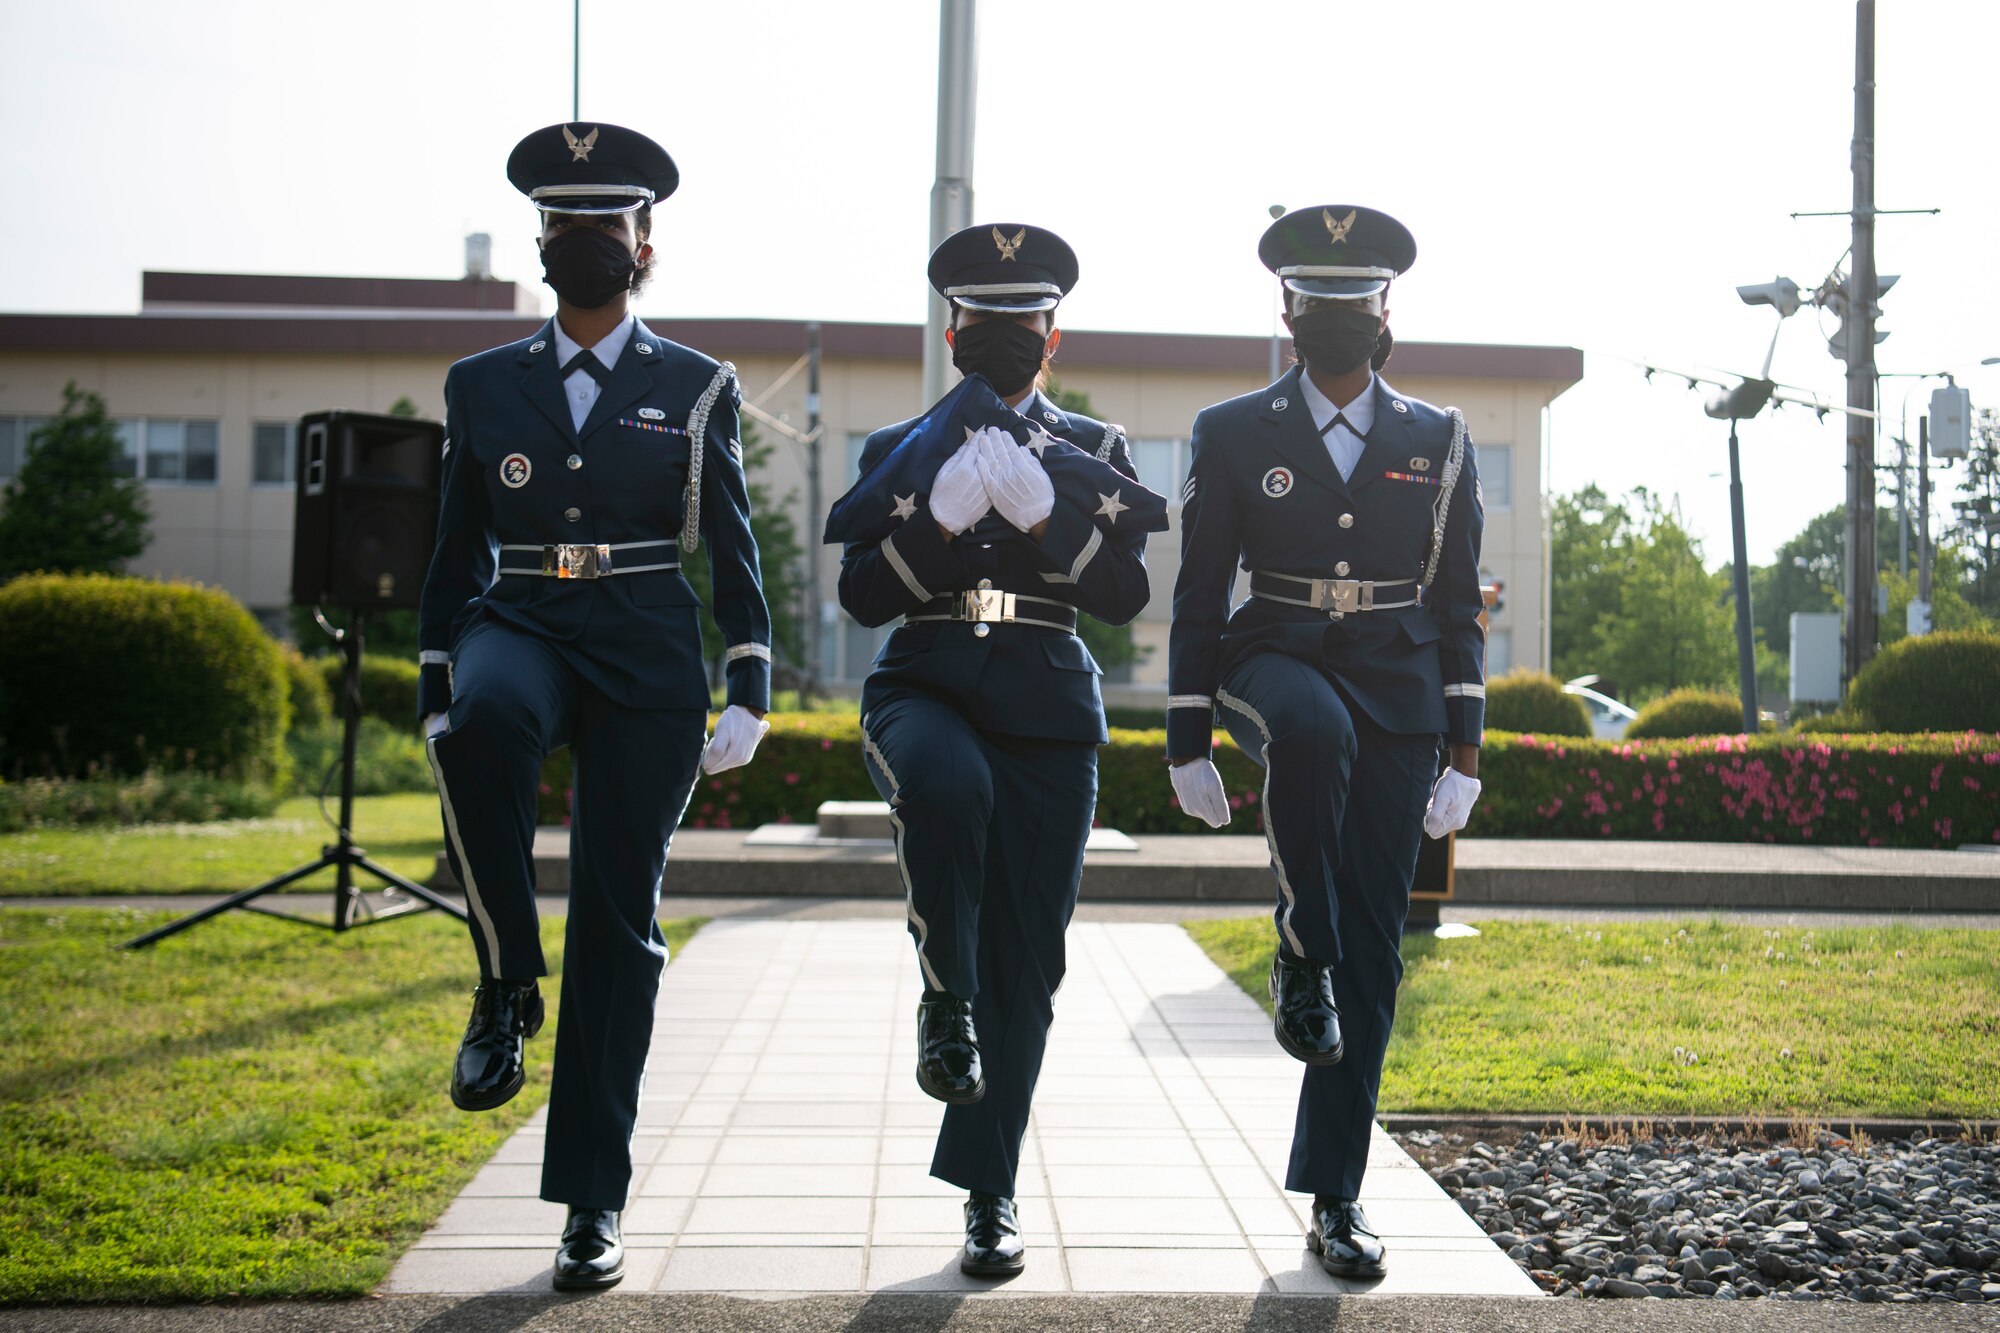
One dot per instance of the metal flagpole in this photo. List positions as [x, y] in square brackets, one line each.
[951, 193]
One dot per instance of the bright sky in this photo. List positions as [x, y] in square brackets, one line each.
[1576, 172]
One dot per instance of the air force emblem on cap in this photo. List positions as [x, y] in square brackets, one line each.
[1008, 247]
[1278, 482]
[1337, 230]
[580, 148]
[515, 469]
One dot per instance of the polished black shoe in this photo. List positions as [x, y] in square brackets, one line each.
[489, 1068]
[1303, 1014]
[992, 1237]
[948, 1050]
[1346, 1245]
[592, 1253]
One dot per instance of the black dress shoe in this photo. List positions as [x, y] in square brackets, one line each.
[1303, 1014]
[489, 1070]
[948, 1050]
[592, 1253]
[1346, 1245]
[992, 1237]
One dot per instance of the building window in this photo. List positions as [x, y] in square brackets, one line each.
[1499, 652]
[169, 450]
[856, 442]
[15, 433]
[1162, 466]
[271, 452]
[1496, 474]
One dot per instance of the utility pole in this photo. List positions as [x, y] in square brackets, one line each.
[809, 678]
[951, 192]
[1924, 511]
[1858, 578]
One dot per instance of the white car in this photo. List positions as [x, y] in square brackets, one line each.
[1608, 717]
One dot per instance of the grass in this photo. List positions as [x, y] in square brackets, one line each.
[248, 1110]
[1686, 1018]
[401, 833]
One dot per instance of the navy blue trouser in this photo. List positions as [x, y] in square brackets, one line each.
[989, 840]
[1343, 811]
[515, 698]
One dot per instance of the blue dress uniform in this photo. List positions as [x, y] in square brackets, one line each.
[982, 717]
[555, 613]
[1358, 648]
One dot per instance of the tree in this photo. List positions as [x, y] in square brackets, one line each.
[1977, 527]
[1950, 608]
[1111, 645]
[1589, 534]
[1805, 573]
[71, 509]
[1673, 627]
[779, 556]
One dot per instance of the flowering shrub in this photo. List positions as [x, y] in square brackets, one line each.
[1854, 790]
[1843, 790]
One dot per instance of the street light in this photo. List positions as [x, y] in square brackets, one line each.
[1276, 211]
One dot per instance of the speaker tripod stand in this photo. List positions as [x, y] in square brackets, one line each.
[343, 856]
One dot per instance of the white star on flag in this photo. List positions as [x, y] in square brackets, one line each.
[1038, 440]
[1111, 509]
[906, 505]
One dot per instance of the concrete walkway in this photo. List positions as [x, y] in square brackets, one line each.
[785, 1146]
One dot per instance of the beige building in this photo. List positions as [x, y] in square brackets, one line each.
[208, 378]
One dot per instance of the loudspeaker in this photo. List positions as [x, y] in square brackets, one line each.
[367, 509]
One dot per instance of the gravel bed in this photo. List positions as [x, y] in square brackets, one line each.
[1731, 1217]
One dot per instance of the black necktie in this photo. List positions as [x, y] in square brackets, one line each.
[587, 362]
[1340, 420]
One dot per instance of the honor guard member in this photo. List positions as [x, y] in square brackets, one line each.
[1356, 511]
[581, 464]
[982, 716]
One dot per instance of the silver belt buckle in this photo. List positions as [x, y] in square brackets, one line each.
[988, 606]
[576, 562]
[1344, 594]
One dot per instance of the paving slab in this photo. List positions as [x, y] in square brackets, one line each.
[771, 1168]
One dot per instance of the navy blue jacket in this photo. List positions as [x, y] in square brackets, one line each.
[1262, 491]
[1019, 680]
[516, 472]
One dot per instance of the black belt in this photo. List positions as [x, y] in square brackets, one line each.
[1337, 595]
[995, 606]
[572, 561]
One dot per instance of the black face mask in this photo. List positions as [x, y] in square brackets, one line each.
[587, 268]
[1009, 355]
[1336, 341]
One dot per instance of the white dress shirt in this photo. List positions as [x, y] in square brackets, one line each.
[582, 388]
[1345, 445]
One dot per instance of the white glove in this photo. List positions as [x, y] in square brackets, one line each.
[433, 724]
[1451, 803]
[737, 732]
[958, 495]
[1199, 787]
[1021, 490]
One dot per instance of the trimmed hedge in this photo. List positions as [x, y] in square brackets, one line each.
[101, 672]
[150, 798]
[1841, 722]
[388, 688]
[1896, 791]
[1525, 700]
[312, 701]
[387, 759]
[1933, 682]
[1685, 713]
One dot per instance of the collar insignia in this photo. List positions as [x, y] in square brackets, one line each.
[1007, 247]
[1111, 509]
[1337, 230]
[580, 148]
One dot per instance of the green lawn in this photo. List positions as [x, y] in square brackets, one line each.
[401, 833]
[1682, 1018]
[251, 1109]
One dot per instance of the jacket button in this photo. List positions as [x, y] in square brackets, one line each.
[572, 514]
[981, 630]
[1347, 520]
[575, 462]
[1341, 569]
[986, 585]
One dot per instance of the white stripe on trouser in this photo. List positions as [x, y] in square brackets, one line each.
[874, 752]
[1228, 700]
[465, 862]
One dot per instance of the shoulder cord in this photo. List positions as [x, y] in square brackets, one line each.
[698, 440]
[1454, 461]
[1110, 442]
